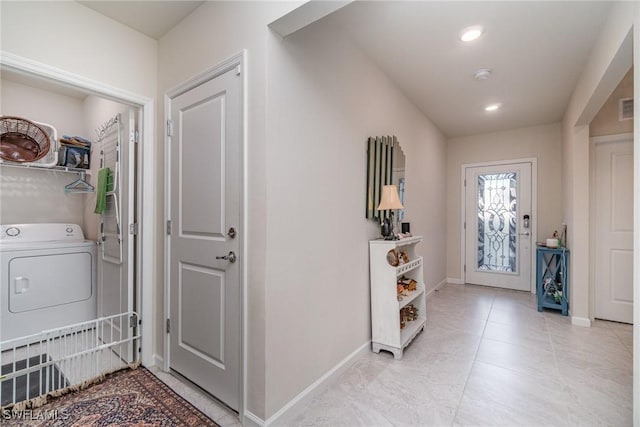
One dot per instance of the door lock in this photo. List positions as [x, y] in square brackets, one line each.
[231, 257]
[232, 233]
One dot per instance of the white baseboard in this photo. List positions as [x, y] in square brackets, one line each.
[581, 321]
[455, 281]
[252, 420]
[436, 287]
[289, 410]
[158, 361]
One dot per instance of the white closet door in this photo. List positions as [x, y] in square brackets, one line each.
[614, 231]
[116, 258]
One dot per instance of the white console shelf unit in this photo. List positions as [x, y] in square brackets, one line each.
[386, 333]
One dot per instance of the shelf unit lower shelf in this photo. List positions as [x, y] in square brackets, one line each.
[391, 329]
[408, 299]
[548, 301]
[406, 336]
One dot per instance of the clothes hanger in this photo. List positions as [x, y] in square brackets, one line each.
[79, 185]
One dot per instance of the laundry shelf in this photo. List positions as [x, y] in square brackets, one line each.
[51, 169]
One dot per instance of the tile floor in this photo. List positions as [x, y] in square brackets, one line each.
[485, 358]
[192, 394]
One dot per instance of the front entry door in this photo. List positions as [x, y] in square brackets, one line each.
[498, 226]
[613, 173]
[204, 270]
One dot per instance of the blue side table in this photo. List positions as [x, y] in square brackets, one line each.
[552, 279]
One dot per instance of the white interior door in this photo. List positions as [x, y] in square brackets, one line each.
[613, 262]
[116, 259]
[205, 292]
[497, 236]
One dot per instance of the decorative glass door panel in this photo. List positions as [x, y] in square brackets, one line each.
[497, 222]
[497, 238]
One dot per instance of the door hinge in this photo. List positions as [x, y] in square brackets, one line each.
[133, 321]
[465, 182]
[168, 325]
[169, 127]
[169, 227]
[133, 229]
[137, 137]
[465, 268]
[238, 70]
[465, 225]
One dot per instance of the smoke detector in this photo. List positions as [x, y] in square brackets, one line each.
[482, 74]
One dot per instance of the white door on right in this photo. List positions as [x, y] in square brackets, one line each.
[498, 226]
[613, 263]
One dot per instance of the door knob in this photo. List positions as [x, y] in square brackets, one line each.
[231, 257]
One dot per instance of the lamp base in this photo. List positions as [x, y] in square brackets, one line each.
[386, 230]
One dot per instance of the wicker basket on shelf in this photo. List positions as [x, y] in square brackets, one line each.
[21, 140]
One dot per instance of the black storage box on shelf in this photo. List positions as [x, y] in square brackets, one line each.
[74, 157]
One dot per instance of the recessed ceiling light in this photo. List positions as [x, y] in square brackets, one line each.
[492, 107]
[471, 33]
[482, 74]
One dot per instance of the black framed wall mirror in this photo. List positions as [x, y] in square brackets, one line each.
[385, 166]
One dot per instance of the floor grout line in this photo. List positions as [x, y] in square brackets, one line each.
[473, 363]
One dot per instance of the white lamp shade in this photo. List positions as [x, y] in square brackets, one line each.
[390, 198]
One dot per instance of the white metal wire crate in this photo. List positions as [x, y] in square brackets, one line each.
[70, 357]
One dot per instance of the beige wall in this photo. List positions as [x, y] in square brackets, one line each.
[37, 196]
[606, 121]
[72, 37]
[636, 219]
[324, 98]
[541, 142]
[609, 61]
[30, 195]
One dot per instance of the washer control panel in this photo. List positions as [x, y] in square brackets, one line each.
[40, 232]
[12, 231]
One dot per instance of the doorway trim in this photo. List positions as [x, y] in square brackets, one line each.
[534, 211]
[237, 60]
[593, 141]
[145, 177]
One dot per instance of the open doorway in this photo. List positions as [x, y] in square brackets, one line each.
[101, 128]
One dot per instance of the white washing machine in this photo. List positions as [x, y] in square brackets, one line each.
[48, 278]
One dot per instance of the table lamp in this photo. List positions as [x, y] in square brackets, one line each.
[389, 201]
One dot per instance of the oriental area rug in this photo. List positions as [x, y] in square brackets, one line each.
[128, 398]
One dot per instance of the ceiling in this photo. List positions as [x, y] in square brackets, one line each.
[153, 18]
[536, 51]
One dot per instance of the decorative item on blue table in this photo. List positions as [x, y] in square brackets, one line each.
[390, 201]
